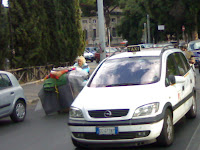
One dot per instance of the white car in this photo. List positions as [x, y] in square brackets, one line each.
[12, 99]
[134, 98]
[88, 55]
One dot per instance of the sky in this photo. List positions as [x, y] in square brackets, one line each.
[5, 3]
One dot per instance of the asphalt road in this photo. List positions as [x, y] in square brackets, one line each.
[42, 132]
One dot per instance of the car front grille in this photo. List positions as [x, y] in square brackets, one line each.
[121, 135]
[108, 113]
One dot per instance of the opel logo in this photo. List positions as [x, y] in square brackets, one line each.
[107, 113]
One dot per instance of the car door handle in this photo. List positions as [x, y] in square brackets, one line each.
[11, 93]
[183, 88]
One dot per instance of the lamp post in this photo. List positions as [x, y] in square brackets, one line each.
[101, 22]
[148, 29]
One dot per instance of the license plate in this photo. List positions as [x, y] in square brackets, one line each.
[107, 130]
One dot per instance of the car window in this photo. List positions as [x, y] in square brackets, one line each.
[4, 81]
[179, 61]
[193, 46]
[171, 67]
[127, 71]
[185, 62]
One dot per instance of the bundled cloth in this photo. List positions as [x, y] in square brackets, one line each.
[60, 88]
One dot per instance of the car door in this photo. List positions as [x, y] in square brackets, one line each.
[6, 94]
[184, 68]
[176, 90]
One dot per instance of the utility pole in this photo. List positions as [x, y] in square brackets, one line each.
[148, 29]
[145, 33]
[101, 22]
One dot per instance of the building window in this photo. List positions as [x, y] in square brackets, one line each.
[94, 21]
[84, 21]
[113, 19]
[94, 34]
[113, 32]
[86, 34]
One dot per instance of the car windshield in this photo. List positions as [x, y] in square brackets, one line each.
[110, 50]
[194, 46]
[127, 71]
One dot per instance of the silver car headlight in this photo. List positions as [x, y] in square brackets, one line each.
[75, 113]
[145, 110]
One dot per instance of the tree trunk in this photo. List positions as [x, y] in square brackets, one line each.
[195, 31]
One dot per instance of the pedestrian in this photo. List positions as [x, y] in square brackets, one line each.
[81, 63]
[189, 54]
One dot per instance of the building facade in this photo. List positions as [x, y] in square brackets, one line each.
[91, 29]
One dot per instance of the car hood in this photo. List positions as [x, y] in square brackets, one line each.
[122, 97]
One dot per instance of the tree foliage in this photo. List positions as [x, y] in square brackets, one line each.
[3, 35]
[45, 31]
[172, 14]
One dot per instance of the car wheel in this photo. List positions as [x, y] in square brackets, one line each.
[19, 111]
[97, 60]
[91, 60]
[193, 110]
[166, 137]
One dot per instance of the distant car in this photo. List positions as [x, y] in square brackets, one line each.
[93, 50]
[88, 55]
[194, 46]
[109, 51]
[160, 45]
[148, 45]
[134, 98]
[12, 99]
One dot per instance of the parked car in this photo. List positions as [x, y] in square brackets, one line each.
[92, 49]
[148, 45]
[12, 99]
[160, 45]
[194, 46]
[88, 55]
[134, 98]
[109, 51]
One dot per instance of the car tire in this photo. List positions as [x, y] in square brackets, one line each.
[192, 113]
[91, 60]
[97, 60]
[166, 137]
[19, 111]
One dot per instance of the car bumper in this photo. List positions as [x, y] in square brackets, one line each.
[89, 58]
[127, 134]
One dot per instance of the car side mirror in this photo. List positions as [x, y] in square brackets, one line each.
[179, 79]
[172, 79]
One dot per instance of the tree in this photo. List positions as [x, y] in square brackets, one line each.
[172, 14]
[70, 37]
[3, 35]
[45, 31]
[26, 38]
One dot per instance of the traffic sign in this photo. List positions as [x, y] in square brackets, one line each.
[183, 28]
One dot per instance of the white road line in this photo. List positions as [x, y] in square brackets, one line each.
[192, 139]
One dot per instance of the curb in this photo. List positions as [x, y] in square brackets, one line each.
[32, 101]
[34, 82]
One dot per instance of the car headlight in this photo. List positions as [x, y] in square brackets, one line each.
[145, 110]
[75, 113]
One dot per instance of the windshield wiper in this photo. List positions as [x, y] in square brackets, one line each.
[121, 84]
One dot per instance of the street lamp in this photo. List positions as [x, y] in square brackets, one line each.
[101, 29]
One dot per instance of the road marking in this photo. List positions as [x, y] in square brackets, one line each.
[191, 143]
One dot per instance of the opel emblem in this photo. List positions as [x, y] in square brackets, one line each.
[107, 113]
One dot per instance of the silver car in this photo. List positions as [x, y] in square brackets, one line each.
[12, 99]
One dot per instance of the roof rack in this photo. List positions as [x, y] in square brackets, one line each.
[166, 48]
